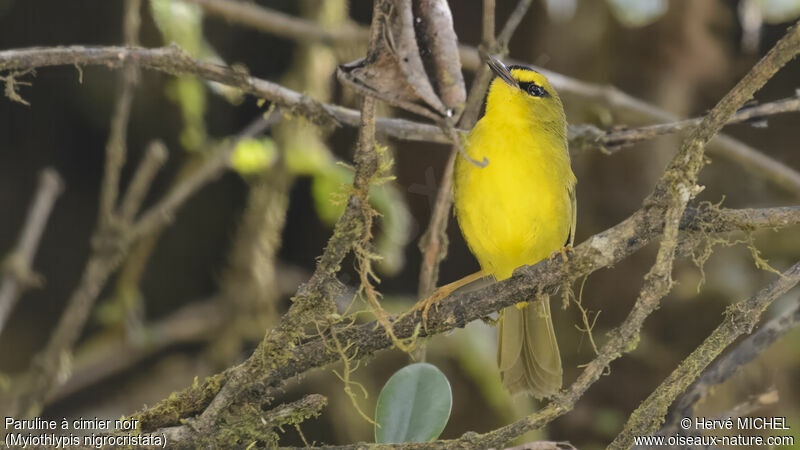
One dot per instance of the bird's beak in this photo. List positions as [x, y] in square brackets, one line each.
[501, 71]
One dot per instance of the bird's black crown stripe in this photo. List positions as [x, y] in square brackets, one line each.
[519, 67]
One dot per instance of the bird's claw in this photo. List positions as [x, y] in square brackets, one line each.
[425, 305]
[563, 252]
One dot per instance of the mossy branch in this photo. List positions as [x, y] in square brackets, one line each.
[740, 318]
[244, 428]
[312, 304]
[724, 367]
[602, 250]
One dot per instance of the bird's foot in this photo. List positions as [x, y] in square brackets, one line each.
[563, 252]
[440, 294]
[433, 301]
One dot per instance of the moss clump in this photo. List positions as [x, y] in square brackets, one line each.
[181, 404]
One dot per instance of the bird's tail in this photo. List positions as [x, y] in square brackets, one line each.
[527, 352]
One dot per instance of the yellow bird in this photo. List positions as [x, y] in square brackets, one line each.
[518, 210]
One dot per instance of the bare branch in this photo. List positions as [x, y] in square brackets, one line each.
[98, 360]
[313, 302]
[674, 190]
[625, 137]
[154, 158]
[280, 24]
[488, 20]
[116, 147]
[17, 273]
[722, 369]
[602, 250]
[215, 164]
[740, 319]
[172, 60]
[110, 242]
[747, 157]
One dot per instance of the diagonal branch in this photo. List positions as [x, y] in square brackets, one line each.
[17, 273]
[740, 319]
[668, 200]
[723, 368]
[602, 250]
[677, 186]
[312, 304]
[116, 147]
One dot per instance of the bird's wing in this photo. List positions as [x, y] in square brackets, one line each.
[574, 215]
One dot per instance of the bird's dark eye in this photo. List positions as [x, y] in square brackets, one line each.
[533, 89]
[536, 90]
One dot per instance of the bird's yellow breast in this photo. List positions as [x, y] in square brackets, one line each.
[517, 210]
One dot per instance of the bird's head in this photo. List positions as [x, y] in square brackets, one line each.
[522, 92]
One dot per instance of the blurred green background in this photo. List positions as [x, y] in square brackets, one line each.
[680, 55]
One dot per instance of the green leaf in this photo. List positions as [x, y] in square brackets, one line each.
[413, 406]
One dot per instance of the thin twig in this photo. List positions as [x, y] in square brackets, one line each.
[17, 273]
[281, 24]
[172, 60]
[488, 19]
[616, 139]
[154, 158]
[247, 14]
[313, 302]
[215, 164]
[722, 369]
[116, 147]
[740, 319]
[674, 190]
[110, 243]
[602, 250]
[98, 360]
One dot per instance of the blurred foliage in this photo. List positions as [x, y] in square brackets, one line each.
[561, 10]
[253, 156]
[308, 155]
[190, 95]
[182, 23]
[777, 11]
[638, 13]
